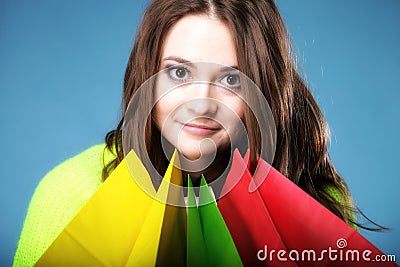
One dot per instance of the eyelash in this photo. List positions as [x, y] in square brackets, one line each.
[172, 75]
[235, 87]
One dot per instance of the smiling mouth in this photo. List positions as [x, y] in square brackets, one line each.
[199, 129]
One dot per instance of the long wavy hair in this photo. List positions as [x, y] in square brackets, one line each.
[264, 54]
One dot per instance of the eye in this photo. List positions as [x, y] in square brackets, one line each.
[178, 73]
[231, 80]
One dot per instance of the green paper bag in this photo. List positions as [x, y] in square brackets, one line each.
[209, 242]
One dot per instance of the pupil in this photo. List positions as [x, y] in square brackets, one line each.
[180, 73]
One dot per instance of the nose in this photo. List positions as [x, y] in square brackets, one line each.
[201, 102]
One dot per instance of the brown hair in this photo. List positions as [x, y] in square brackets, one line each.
[264, 54]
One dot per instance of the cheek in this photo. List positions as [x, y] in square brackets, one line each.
[240, 109]
[157, 117]
[236, 108]
[162, 110]
[165, 108]
[233, 116]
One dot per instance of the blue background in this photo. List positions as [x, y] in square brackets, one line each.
[61, 73]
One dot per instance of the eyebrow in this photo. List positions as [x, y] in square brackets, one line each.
[179, 60]
[191, 64]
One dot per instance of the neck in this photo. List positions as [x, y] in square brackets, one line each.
[217, 168]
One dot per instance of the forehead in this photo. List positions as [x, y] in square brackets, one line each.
[200, 38]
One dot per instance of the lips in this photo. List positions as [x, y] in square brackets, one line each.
[199, 129]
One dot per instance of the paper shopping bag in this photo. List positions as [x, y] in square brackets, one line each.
[162, 239]
[248, 218]
[307, 227]
[117, 223]
[275, 223]
[209, 240]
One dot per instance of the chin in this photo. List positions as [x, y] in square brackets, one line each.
[191, 154]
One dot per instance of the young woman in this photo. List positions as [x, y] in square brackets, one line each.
[239, 38]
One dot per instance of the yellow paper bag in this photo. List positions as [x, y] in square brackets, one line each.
[118, 222]
[164, 223]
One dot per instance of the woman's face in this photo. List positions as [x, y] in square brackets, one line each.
[198, 108]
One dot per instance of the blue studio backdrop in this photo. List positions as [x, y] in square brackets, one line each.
[61, 72]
